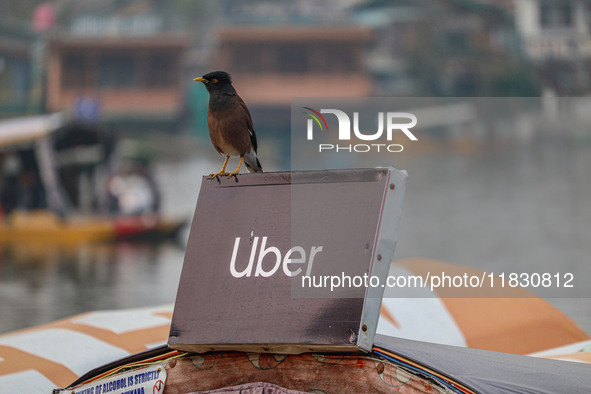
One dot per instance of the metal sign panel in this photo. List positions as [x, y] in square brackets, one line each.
[265, 254]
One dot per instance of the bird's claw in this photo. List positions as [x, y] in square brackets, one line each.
[214, 176]
[232, 174]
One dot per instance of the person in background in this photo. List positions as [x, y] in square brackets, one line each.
[9, 169]
[133, 191]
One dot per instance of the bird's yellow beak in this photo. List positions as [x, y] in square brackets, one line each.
[201, 79]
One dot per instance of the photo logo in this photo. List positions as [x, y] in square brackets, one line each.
[315, 115]
[390, 122]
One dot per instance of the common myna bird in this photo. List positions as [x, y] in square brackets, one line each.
[230, 124]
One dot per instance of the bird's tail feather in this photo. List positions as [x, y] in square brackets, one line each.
[253, 164]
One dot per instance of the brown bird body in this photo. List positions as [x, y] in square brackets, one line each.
[230, 123]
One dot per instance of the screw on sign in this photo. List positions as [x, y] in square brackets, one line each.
[158, 387]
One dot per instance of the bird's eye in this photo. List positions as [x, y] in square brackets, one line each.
[215, 80]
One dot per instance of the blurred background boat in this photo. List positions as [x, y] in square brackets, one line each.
[67, 182]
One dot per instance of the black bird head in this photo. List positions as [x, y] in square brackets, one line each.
[215, 80]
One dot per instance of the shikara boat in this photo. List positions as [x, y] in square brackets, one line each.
[62, 182]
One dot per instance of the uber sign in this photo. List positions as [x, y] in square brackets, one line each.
[263, 252]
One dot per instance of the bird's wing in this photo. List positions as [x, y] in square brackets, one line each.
[253, 136]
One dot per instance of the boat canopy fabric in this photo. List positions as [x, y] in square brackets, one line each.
[523, 325]
[493, 372]
[28, 128]
[41, 358]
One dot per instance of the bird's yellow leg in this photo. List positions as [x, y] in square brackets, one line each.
[237, 168]
[222, 172]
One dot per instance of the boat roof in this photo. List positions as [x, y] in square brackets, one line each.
[25, 129]
[489, 372]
